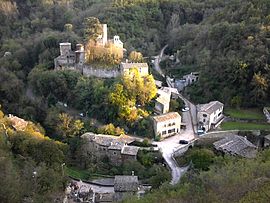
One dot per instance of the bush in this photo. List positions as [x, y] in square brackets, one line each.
[200, 158]
[110, 129]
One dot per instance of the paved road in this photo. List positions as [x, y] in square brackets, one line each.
[157, 61]
[170, 145]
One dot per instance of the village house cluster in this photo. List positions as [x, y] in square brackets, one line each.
[117, 149]
[122, 187]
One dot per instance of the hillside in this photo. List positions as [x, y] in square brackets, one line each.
[227, 42]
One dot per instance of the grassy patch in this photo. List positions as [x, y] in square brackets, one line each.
[244, 126]
[255, 114]
[77, 173]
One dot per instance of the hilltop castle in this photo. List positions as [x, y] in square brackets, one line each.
[76, 60]
[102, 39]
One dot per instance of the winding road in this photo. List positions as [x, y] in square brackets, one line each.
[170, 145]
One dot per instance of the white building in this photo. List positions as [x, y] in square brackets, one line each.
[141, 67]
[167, 124]
[209, 115]
[162, 104]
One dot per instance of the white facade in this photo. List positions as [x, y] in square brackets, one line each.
[209, 115]
[167, 124]
[162, 104]
[142, 68]
[117, 42]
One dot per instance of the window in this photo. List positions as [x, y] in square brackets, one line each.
[164, 126]
[219, 114]
[171, 131]
[204, 120]
[170, 124]
[204, 115]
[173, 123]
[163, 132]
[114, 153]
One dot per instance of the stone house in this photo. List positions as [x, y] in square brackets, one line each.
[236, 145]
[68, 59]
[142, 68]
[167, 124]
[191, 78]
[209, 115]
[114, 147]
[129, 153]
[125, 186]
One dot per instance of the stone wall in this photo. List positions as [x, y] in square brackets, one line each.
[219, 134]
[100, 72]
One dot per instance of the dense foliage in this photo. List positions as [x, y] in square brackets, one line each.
[229, 179]
[31, 160]
[227, 41]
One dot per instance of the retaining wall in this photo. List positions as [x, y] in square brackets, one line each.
[101, 72]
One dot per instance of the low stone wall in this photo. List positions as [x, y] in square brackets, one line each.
[101, 72]
[219, 134]
[181, 150]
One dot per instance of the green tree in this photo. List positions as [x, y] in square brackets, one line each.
[92, 28]
[135, 57]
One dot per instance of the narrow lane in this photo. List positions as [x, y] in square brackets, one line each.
[170, 145]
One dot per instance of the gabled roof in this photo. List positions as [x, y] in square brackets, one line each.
[114, 142]
[167, 117]
[210, 107]
[126, 183]
[130, 150]
[238, 145]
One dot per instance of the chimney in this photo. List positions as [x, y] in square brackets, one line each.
[132, 173]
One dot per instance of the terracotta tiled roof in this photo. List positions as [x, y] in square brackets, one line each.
[166, 117]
